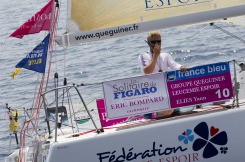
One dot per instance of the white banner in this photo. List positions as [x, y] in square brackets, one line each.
[136, 95]
[74, 38]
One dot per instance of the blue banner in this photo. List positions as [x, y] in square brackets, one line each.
[36, 59]
[199, 71]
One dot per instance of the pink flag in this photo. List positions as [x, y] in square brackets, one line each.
[40, 21]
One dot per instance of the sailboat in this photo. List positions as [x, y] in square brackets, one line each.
[206, 133]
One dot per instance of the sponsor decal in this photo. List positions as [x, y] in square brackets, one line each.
[202, 142]
[200, 84]
[107, 33]
[160, 4]
[131, 154]
[172, 89]
[209, 140]
[103, 118]
[136, 95]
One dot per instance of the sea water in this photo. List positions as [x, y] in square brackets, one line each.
[98, 61]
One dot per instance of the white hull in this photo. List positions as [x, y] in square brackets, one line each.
[138, 141]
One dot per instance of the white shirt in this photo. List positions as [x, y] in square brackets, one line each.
[164, 62]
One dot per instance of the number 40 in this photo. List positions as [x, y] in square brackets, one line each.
[225, 93]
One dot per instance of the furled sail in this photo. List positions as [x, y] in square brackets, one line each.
[90, 20]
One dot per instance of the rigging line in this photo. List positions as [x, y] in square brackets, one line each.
[228, 33]
[172, 49]
[56, 13]
[61, 123]
[59, 97]
[64, 52]
[35, 113]
[69, 100]
[41, 86]
[65, 84]
[53, 29]
[60, 4]
[237, 62]
[80, 110]
[35, 91]
[50, 50]
[64, 64]
[82, 84]
[38, 101]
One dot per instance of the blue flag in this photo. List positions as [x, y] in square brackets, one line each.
[36, 59]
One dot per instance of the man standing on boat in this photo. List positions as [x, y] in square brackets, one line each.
[156, 61]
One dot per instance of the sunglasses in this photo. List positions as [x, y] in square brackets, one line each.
[155, 41]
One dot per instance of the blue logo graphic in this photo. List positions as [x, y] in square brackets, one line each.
[186, 136]
[208, 141]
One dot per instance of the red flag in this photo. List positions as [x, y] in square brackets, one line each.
[40, 21]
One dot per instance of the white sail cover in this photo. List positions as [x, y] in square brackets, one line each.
[90, 20]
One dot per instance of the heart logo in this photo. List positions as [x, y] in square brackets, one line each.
[184, 133]
[213, 130]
